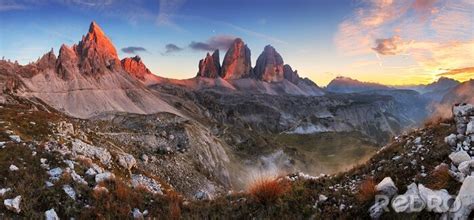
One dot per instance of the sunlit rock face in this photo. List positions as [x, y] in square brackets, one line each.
[237, 63]
[290, 75]
[210, 66]
[96, 52]
[135, 67]
[269, 66]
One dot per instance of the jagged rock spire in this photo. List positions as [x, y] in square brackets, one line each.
[269, 65]
[237, 63]
[210, 66]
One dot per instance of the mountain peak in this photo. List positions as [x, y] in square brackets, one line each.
[135, 67]
[210, 66]
[269, 65]
[237, 63]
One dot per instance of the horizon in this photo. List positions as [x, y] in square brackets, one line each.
[415, 46]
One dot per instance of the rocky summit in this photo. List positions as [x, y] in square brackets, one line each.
[210, 66]
[135, 67]
[237, 63]
[269, 65]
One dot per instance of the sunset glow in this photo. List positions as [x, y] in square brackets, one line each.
[386, 41]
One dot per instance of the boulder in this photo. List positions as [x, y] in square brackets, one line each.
[459, 157]
[431, 197]
[104, 176]
[70, 191]
[465, 199]
[55, 174]
[470, 128]
[103, 155]
[13, 204]
[15, 138]
[410, 201]
[149, 184]
[387, 187]
[51, 215]
[4, 190]
[466, 167]
[13, 168]
[451, 140]
[127, 161]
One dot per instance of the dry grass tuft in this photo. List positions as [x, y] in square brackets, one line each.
[367, 190]
[439, 178]
[175, 201]
[268, 189]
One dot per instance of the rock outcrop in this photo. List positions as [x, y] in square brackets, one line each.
[210, 66]
[96, 51]
[135, 67]
[237, 63]
[269, 65]
[290, 75]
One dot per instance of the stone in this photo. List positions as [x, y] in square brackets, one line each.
[465, 199]
[210, 66]
[451, 140]
[15, 138]
[139, 180]
[104, 176]
[13, 168]
[237, 63]
[13, 204]
[470, 128]
[4, 190]
[127, 161]
[409, 202]
[376, 210]
[459, 157]
[51, 215]
[91, 172]
[103, 155]
[144, 158]
[430, 196]
[55, 174]
[2, 144]
[202, 195]
[70, 191]
[290, 75]
[78, 178]
[387, 187]
[466, 167]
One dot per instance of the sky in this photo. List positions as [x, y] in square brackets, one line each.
[395, 42]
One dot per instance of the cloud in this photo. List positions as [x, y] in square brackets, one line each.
[133, 50]
[171, 48]
[6, 5]
[388, 46]
[222, 42]
[466, 70]
[167, 10]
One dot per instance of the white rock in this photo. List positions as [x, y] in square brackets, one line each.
[13, 204]
[322, 198]
[465, 199]
[91, 172]
[387, 187]
[2, 144]
[55, 174]
[466, 167]
[417, 140]
[470, 128]
[69, 163]
[13, 168]
[51, 215]
[463, 110]
[430, 196]
[78, 178]
[69, 191]
[451, 140]
[459, 157]
[4, 190]
[102, 154]
[376, 210]
[397, 157]
[137, 214]
[150, 184]
[104, 176]
[15, 138]
[408, 202]
[127, 161]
